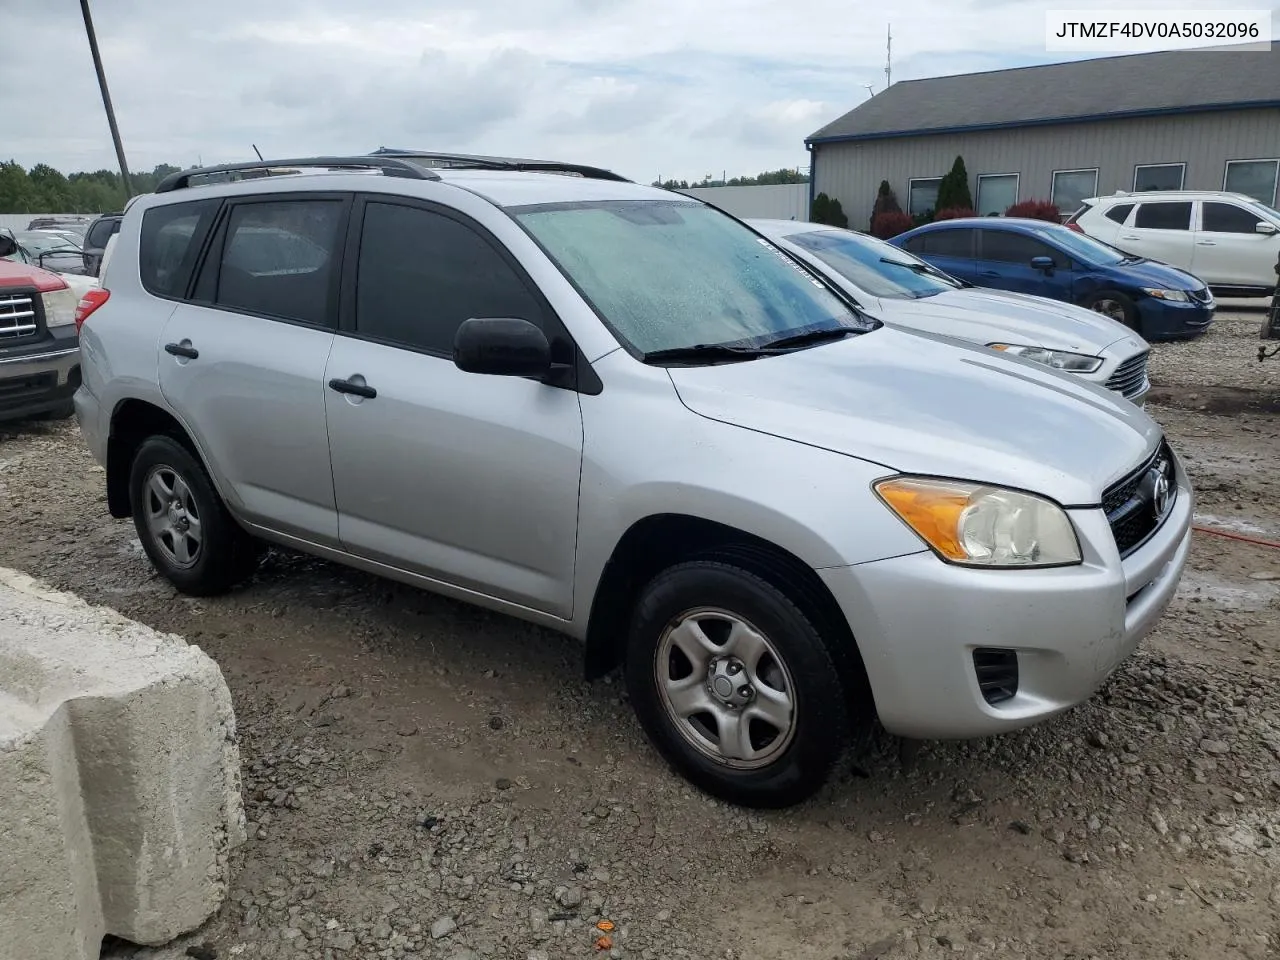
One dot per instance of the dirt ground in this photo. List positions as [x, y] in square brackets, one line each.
[427, 780]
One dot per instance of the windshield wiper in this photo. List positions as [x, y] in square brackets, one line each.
[809, 336]
[709, 352]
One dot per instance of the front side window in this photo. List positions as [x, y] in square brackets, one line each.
[668, 274]
[421, 274]
[923, 195]
[1163, 216]
[1071, 188]
[996, 193]
[170, 242]
[879, 268]
[1158, 176]
[1005, 246]
[280, 259]
[1228, 218]
[1253, 178]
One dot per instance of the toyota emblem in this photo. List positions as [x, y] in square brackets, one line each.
[1160, 490]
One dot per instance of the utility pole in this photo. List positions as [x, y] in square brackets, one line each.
[106, 98]
[888, 58]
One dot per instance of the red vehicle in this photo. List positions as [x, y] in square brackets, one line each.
[39, 341]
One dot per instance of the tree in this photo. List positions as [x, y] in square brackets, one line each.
[953, 191]
[886, 202]
[820, 209]
[837, 215]
[45, 190]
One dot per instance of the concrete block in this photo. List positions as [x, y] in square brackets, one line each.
[119, 778]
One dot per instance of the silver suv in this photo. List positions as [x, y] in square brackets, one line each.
[623, 414]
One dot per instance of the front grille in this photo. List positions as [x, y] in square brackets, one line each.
[18, 317]
[1202, 295]
[997, 671]
[1131, 505]
[1130, 378]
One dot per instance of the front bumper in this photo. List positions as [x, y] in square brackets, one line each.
[40, 378]
[918, 621]
[1167, 320]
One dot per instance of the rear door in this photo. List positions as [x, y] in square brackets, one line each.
[242, 360]
[1229, 250]
[949, 250]
[1004, 262]
[469, 480]
[1160, 230]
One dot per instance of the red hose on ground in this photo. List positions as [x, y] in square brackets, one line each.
[1235, 536]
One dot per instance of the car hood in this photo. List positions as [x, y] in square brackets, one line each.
[996, 316]
[1152, 273]
[922, 404]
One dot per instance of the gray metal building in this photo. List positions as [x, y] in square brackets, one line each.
[1195, 120]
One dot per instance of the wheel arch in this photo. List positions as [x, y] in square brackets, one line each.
[132, 421]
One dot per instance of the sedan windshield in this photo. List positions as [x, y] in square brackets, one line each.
[880, 269]
[669, 275]
[1084, 247]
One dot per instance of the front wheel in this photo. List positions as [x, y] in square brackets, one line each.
[1117, 306]
[183, 524]
[734, 685]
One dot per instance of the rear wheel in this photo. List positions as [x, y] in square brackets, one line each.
[734, 685]
[1117, 306]
[183, 524]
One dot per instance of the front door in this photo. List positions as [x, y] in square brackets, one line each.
[243, 366]
[1230, 251]
[1004, 262]
[467, 479]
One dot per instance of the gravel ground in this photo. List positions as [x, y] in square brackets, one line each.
[426, 780]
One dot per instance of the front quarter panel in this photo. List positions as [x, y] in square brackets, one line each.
[646, 454]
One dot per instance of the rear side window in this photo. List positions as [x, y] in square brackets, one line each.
[279, 259]
[1120, 212]
[170, 243]
[422, 274]
[1164, 216]
[948, 243]
[1228, 218]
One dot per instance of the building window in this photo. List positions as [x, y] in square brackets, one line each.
[997, 192]
[1072, 187]
[1253, 178]
[923, 195]
[1158, 176]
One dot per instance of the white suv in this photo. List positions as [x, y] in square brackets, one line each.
[620, 413]
[1228, 240]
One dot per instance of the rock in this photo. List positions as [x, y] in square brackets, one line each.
[502, 783]
[496, 723]
[443, 927]
[538, 955]
[382, 929]
[1264, 575]
[202, 951]
[570, 897]
[1159, 823]
[1021, 826]
[343, 940]
[407, 729]
[1215, 746]
[340, 692]
[1098, 739]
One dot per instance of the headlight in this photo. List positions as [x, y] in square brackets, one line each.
[1058, 359]
[59, 307]
[1176, 296]
[976, 525]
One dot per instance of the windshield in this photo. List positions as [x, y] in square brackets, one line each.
[38, 243]
[669, 274]
[1085, 248]
[879, 268]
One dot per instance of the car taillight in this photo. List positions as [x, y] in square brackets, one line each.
[90, 302]
[1072, 225]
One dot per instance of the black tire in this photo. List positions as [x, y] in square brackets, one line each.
[1128, 311]
[64, 412]
[225, 555]
[819, 727]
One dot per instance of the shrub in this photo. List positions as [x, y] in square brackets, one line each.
[837, 216]
[953, 191]
[953, 213]
[890, 224]
[1036, 210]
[920, 219]
[886, 201]
[820, 209]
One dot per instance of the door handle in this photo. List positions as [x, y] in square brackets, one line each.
[1206, 243]
[1130, 237]
[181, 350]
[988, 273]
[355, 389]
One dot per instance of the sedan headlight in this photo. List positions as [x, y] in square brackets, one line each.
[1058, 359]
[1174, 296]
[981, 526]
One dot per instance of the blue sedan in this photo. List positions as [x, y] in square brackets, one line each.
[1034, 256]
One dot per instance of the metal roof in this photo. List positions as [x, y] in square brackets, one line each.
[1145, 84]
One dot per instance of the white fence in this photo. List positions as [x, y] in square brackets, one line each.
[776, 201]
[19, 221]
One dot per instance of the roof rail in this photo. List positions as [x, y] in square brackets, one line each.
[391, 166]
[468, 161]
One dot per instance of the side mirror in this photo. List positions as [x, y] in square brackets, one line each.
[1042, 263]
[502, 347]
[8, 246]
[1263, 227]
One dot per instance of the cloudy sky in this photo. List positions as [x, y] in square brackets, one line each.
[646, 87]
